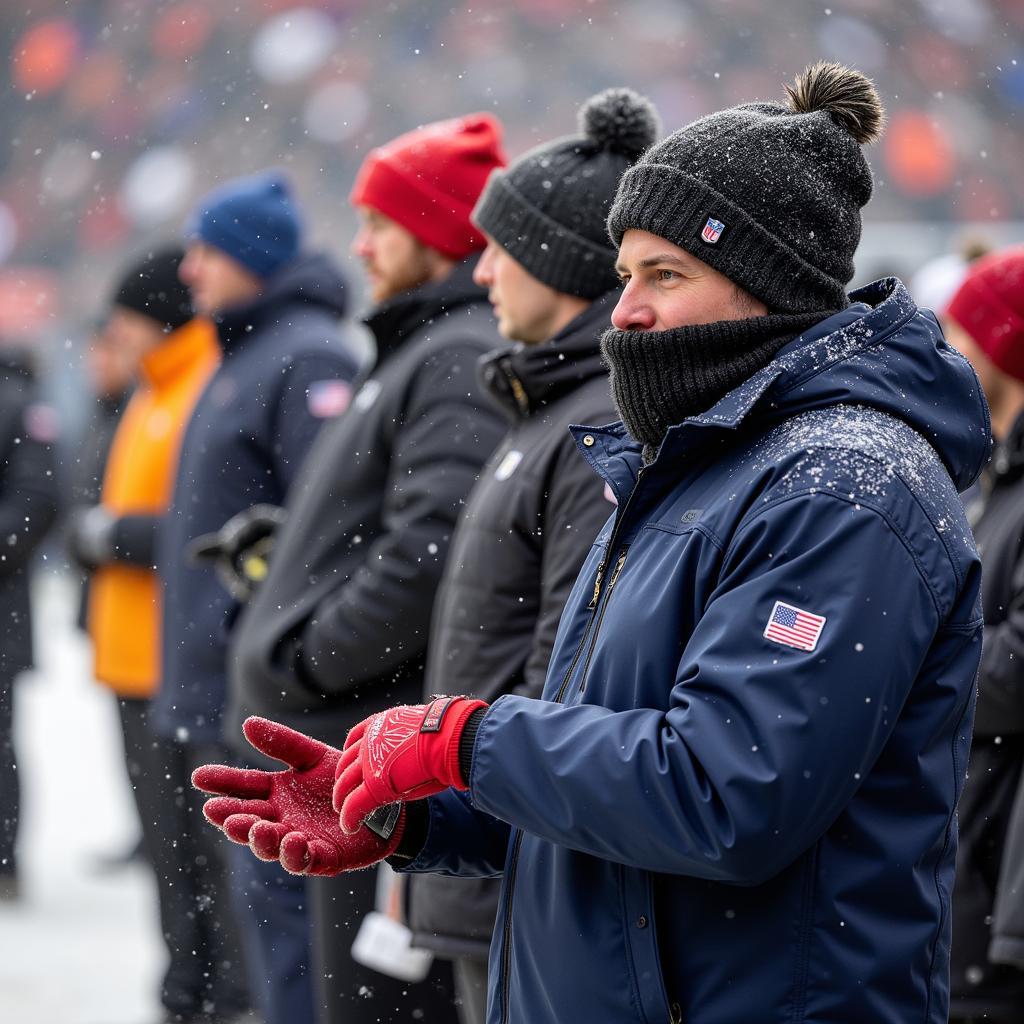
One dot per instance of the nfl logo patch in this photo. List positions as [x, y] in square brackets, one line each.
[712, 231]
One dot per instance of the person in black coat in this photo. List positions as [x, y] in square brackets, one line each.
[112, 368]
[28, 507]
[533, 515]
[278, 313]
[985, 320]
[341, 621]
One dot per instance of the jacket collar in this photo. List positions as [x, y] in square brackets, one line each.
[394, 321]
[311, 280]
[525, 378]
[881, 352]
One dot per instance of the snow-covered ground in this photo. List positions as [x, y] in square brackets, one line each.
[79, 947]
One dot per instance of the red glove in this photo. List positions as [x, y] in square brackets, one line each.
[405, 753]
[287, 815]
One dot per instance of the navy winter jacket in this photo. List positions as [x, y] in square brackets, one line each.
[699, 822]
[249, 432]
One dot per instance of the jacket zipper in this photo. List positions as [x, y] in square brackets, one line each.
[518, 391]
[600, 617]
[513, 864]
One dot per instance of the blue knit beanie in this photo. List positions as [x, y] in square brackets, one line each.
[254, 220]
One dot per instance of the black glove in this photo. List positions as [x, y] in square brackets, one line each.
[90, 536]
[240, 549]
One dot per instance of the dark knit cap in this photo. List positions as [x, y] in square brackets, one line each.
[254, 220]
[548, 210]
[768, 195]
[152, 287]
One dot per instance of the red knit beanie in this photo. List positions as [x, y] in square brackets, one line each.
[429, 180]
[989, 306]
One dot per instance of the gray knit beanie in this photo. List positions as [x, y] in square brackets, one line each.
[768, 195]
[548, 210]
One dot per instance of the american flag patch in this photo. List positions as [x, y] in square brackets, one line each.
[794, 627]
[328, 398]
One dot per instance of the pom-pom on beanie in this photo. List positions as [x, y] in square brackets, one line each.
[548, 210]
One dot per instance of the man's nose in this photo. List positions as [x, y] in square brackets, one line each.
[630, 314]
[360, 243]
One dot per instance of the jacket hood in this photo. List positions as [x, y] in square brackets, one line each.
[523, 378]
[881, 352]
[312, 280]
[393, 321]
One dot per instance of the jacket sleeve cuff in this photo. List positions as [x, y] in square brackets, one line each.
[414, 834]
[468, 740]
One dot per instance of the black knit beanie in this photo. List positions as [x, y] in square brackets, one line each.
[548, 210]
[152, 287]
[769, 195]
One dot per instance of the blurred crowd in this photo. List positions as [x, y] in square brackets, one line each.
[119, 113]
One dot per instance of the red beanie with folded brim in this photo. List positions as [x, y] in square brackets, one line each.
[429, 180]
[989, 306]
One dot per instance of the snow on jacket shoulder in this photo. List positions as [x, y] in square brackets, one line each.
[755, 724]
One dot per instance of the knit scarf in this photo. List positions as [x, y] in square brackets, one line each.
[660, 378]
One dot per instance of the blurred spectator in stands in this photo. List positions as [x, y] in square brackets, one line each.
[28, 506]
[287, 367]
[112, 367]
[985, 320]
[151, 320]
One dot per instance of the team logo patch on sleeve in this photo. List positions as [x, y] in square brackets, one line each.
[793, 627]
[328, 398]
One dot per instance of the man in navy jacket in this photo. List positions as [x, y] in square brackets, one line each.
[735, 800]
[286, 365]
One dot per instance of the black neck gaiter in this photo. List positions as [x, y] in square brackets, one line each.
[659, 378]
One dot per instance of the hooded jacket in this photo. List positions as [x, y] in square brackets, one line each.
[249, 432]
[339, 626]
[705, 823]
[528, 524]
[987, 864]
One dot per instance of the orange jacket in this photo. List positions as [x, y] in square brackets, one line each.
[124, 600]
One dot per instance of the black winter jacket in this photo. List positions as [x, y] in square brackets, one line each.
[85, 475]
[528, 525]
[250, 430]
[979, 987]
[339, 627]
[28, 504]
